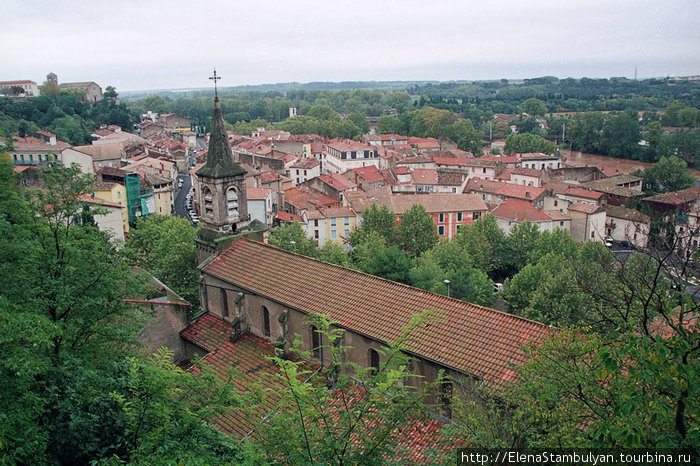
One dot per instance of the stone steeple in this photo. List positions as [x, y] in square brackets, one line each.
[220, 162]
[222, 191]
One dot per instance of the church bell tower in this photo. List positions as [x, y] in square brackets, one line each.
[223, 202]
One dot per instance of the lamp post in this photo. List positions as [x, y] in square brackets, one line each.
[447, 282]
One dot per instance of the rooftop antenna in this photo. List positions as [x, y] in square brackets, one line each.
[215, 78]
[635, 72]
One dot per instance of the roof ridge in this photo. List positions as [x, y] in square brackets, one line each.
[383, 279]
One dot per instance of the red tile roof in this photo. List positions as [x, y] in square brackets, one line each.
[304, 197]
[337, 181]
[425, 176]
[507, 159]
[98, 201]
[676, 198]
[208, 332]
[451, 161]
[11, 83]
[358, 200]
[519, 191]
[257, 194]
[424, 143]
[536, 155]
[370, 174]
[390, 137]
[345, 145]
[286, 217]
[469, 338]
[520, 211]
[249, 357]
[584, 208]
[433, 202]
[305, 163]
[583, 192]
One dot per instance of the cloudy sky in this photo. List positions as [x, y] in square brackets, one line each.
[158, 44]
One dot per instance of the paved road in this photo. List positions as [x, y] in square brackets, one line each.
[692, 288]
[180, 209]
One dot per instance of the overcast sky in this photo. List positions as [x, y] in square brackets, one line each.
[158, 44]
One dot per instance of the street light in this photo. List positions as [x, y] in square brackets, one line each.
[447, 282]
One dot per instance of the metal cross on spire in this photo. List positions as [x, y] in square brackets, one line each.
[215, 78]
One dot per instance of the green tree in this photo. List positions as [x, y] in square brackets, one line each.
[73, 386]
[292, 237]
[535, 107]
[416, 232]
[668, 174]
[360, 120]
[654, 137]
[390, 263]
[377, 219]
[363, 251]
[72, 315]
[334, 253]
[466, 136]
[525, 143]
[165, 246]
[621, 136]
[471, 285]
[323, 112]
[388, 124]
[397, 100]
[585, 131]
[427, 274]
[520, 243]
[348, 423]
[484, 243]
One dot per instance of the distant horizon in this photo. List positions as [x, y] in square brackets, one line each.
[307, 83]
[175, 44]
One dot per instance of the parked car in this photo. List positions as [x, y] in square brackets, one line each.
[609, 239]
[627, 244]
[497, 287]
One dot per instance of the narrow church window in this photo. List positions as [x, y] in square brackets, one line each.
[232, 203]
[224, 303]
[266, 321]
[315, 342]
[208, 202]
[374, 361]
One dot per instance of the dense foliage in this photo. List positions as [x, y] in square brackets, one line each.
[164, 245]
[65, 114]
[73, 384]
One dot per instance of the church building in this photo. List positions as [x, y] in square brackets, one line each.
[255, 288]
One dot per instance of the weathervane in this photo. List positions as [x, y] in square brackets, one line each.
[215, 78]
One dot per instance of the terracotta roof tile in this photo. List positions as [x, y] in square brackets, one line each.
[286, 217]
[369, 173]
[253, 194]
[520, 211]
[249, 357]
[469, 338]
[426, 176]
[337, 181]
